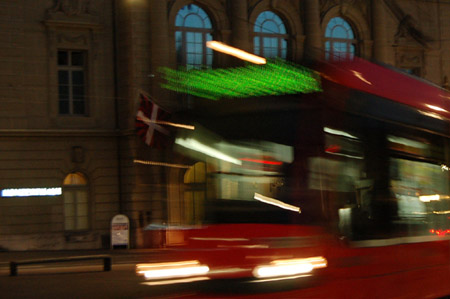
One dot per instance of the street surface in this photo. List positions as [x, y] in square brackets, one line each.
[80, 279]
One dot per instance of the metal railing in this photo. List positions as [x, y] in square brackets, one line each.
[13, 266]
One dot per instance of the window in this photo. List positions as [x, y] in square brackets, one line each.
[71, 82]
[76, 204]
[270, 36]
[339, 39]
[193, 30]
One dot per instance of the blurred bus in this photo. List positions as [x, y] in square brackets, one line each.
[337, 193]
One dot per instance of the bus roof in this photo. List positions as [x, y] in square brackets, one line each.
[388, 83]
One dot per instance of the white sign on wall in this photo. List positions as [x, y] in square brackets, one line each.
[120, 231]
[25, 192]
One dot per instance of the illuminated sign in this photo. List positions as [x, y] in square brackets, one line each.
[25, 192]
[277, 77]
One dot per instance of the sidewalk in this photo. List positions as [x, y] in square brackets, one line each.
[118, 256]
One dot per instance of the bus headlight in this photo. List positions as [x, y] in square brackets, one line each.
[289, 267]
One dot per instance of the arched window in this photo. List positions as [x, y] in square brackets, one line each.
[340, 40]
[193, 30]
[76, 203]
[270, 36]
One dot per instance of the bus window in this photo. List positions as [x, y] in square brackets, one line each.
[381, 185]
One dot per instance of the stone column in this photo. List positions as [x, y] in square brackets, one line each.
[313, 32]
[158, 49]
[379, 31]
[239, 27]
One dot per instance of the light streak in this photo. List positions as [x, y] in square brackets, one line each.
[261, 161]
[290, 267]
[276, 202]
[154, 163]
[202, 148]
[221, 47]
[171, 270]
[428, 198]
[436, 108]
[360, 77]
[339, 133]
[172, 281]
[140, 116]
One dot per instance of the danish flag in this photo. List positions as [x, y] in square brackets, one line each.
[148, 123]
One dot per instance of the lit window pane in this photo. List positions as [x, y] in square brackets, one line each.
[76, 202]
[192, 21]
[82, 223]
[69, 223]
[339, 39]
[270, 29]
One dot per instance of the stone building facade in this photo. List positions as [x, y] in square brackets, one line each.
[71, 73]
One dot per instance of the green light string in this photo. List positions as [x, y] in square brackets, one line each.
[277, 77]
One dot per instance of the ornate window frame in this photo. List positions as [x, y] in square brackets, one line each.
[72, 28]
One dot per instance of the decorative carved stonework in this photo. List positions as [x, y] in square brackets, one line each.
[411, 58]
[71, 7]
[408, 30]
[362, 5]
[75, 11]
[72, 38]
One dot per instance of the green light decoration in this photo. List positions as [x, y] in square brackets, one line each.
[277, 77]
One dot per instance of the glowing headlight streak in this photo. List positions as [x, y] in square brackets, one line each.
[428, 198]
[290, 267]
[221, 47]
[171, 270]
[25, 192]
[207, 150]
[274, 78]
[276, 202]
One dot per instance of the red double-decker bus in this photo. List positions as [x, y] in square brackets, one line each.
[342, 192]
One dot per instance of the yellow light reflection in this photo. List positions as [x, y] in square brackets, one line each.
[290, 267]
[171, 270]
[221, 47]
